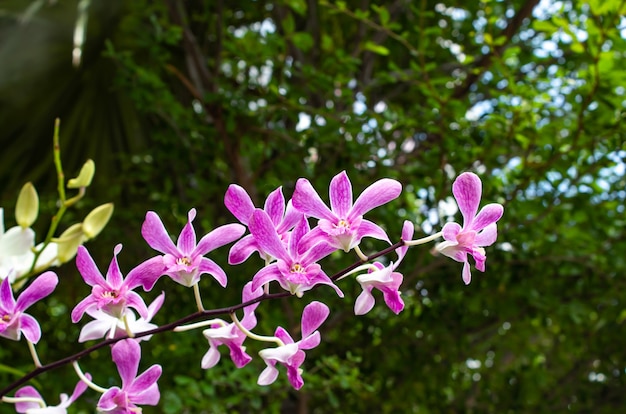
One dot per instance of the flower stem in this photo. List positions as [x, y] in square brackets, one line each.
[196, 293]
[86, 380]
[33, 353]
[197, 325]
[129, 332]
[15, 400]
[359, 269]
[423, 240]
[253, 335]
[360, 253]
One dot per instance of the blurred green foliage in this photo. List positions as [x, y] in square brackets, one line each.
[175, 100]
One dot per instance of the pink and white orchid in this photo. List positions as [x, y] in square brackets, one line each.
[479, 230]
[13, 321]
[230, 335]
[40, 407]
[185, 261]
[136, 390]
[291, 353]
[113, 294]
[296, 271]
[106, 325]
[239, 203]
[384, 279]
[343, 226]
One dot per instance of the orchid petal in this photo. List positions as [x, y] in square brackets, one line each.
[146, 274]
[108, 400]
[467, 275]
[155, 234]
[218, 238]
[467, 190]
[114, 275]
[314, 314]
[17, 241]
[450, 231]
[364, 302]
[133, 300]
[265, 234]
[239, 203]
[369, 229]
[265, 275]
[187, 238]
[489, 214]
[310, 341]
[377, 194]
[301, 229]
[275, 206]
[7, 300]
[30, 328]
[39, 289]
[268, 376]
[25, 406]
[487, 236]
[141, 386]
[87, 267]
[241, 250]
[126, 354]
[292, 216]
[210, 267]
[340, 195]
[306, 200]
[211, 358]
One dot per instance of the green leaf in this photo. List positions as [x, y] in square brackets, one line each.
[378, 49]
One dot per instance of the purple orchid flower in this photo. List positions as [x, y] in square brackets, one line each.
[230, 335]
[136, 390]
[479, 230]
[295, 272]
[240, 204]
[385, 280]
[185, 261]
[13, 321]
[291, 354]
[40, 407]
[113, 294]
[343, 227]
[105, 324]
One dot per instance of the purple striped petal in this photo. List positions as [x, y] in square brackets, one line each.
[377, 194]
[7, 301]
[87, 268]
[340, 193]
[30, 328]
[266, 275]
[126, 354]
[114, 275]
[489, 214]
[450, 231]
[39, 289]
[467, 275]
[364, 302]
[209, 266]
[467, 190]
[218, 237]
[187, 238]
[142, 389]
[265, 234]
[369, 229]
[275, 206]
[239, 203]
[156, 236]
[301, 229]
[306, 200]
[487, 236]
[314, 314]
[241, 250]
[146, 274]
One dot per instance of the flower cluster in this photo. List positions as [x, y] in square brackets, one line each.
[291, 237]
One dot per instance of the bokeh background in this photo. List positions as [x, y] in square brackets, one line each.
[175, 100]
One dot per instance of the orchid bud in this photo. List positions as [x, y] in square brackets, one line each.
[68, 242]
[27, 206]
[84, 177]
[97, 219]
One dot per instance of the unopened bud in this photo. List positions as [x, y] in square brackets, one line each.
[68, 242]
[27, 206]
[97, 219]
[84, 177]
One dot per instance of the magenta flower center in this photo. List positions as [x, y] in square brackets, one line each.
[110, 294]
[343, 226]
[7, 318]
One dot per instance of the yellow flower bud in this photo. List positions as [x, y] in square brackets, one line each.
[84, 177]
[97, 219]
[68, 242]
[27, 207]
